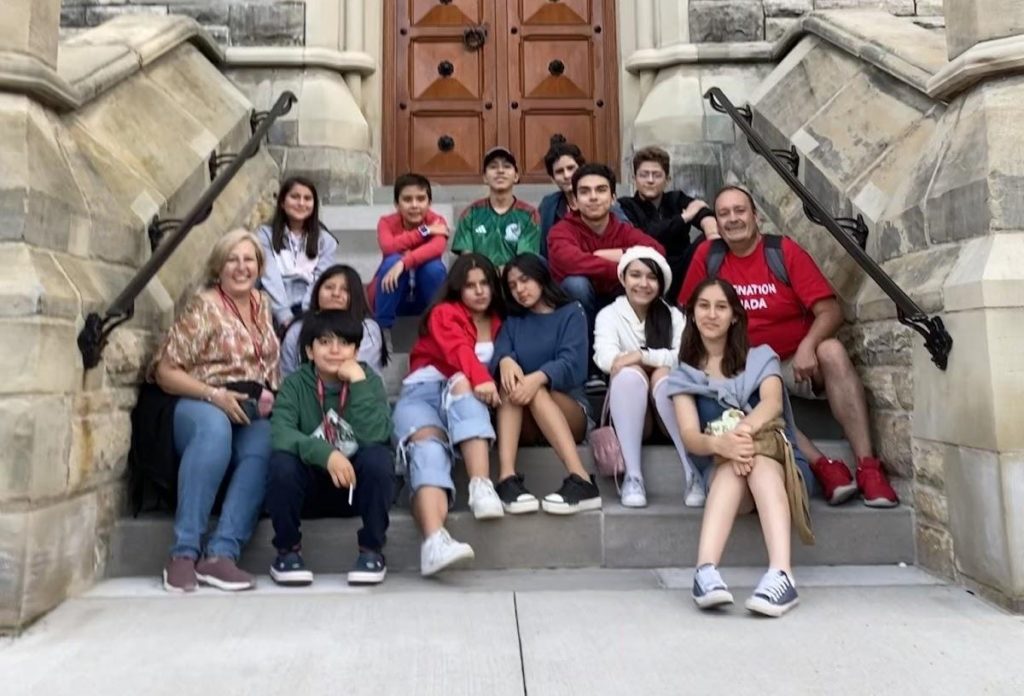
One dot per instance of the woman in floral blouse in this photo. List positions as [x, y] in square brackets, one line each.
[220, 358]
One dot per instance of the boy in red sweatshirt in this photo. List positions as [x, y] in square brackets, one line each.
[584, 248]
[412, 242]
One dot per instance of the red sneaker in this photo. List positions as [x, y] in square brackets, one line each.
[835, 479]
[874, 484]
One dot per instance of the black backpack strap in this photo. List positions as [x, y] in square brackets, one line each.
[715, 257]
[774, 257]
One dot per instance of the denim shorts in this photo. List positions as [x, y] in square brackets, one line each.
[430, 404]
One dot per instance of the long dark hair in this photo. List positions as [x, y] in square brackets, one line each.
[534, 268]
[358, 305]
[451, 291]
[279, 225]
[693, 352]
[658, 325]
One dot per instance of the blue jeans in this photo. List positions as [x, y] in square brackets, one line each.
[580, 288]
[400, 302]
[212, 448]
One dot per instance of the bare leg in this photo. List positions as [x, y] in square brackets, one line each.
[429, 504]
[549, 416]
[769, 490]
[510, 427]
[845, 395]
[727, 496]
[807, 447]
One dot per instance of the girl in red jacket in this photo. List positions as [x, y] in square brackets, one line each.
[444, 403]
[412, 242]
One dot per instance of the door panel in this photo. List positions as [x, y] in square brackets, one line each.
[465, 75]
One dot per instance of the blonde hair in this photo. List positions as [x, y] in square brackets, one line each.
[222, 249]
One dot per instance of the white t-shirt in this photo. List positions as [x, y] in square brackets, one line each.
[484, 352]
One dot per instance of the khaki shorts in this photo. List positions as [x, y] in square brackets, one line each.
[804, 389]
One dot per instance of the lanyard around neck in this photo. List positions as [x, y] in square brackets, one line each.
[329, 433]
[255, 335]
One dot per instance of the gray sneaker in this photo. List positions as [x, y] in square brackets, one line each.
[633, 494]
[180, 575]
[709, 589]
[222, 573]
[774, 595]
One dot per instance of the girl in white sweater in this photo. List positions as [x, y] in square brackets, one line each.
[636, 342]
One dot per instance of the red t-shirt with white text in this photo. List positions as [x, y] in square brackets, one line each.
[779, 315]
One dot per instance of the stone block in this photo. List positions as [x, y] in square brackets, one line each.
[128, 355]
[888, 388]
[34, 284]
[930, 463]
[934, 548]
[327, 114]
[921, 275]
[99, 447]
[776, 27]
[36, 436]
[94, 16]
[673, 111]
[41, 355]
[724, 21]
[970, 22]
[341, 176]
[881, 343]
[1011, 466]
[896, 7]
[98, 284]
[930, 504]
[215, 12]
[282, 24]
[929, 8]
[30, 27]
[892, 437]
[13, 531]
[787, 8]
[72, 17]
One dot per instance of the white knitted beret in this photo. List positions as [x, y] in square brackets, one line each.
[645, 252]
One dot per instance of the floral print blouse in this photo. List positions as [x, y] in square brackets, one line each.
[211, 343]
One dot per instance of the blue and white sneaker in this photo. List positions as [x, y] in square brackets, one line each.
[774, 595]
[290, 570]
[369, 569]
[709, 589]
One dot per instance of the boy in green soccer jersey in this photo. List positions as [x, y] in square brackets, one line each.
[499, 226]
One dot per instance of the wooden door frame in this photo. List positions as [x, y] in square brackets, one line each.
[389, 122]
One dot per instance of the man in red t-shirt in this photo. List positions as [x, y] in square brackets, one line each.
[799, 321]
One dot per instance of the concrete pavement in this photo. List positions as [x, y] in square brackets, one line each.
[859, 630]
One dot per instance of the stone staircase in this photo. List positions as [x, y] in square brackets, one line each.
[663, 534]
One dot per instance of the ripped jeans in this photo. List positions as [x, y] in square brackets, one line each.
[420, 405]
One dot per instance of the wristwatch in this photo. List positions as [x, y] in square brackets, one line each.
[424, 230]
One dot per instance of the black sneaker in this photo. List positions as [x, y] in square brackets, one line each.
[369, 569]
[290, 570]
[774, 595]
[596, 384]
[575, 495]
[514, 497]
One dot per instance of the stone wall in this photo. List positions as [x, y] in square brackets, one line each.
[231, 22]
[759, 20]
[78, 190]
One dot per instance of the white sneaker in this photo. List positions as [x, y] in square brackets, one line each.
[439, 551]
[484, 500]
[695, 497]
[633, 494]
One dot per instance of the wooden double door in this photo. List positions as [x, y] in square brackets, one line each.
[464, 75]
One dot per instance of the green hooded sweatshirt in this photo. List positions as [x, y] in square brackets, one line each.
[297, 413]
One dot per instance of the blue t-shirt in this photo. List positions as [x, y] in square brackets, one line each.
[555, 344]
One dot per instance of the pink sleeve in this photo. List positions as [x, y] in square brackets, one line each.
[393, 239]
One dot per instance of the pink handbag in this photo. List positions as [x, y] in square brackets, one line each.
[605, 445]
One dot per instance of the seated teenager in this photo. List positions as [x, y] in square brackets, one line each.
[540, 358]
[719, 371]
[331, 435]
[671, 217]
[341, 288]
[585, 247]
[499, 226]
[636, 342]
[412, 243]
[297, 249]
[561, 161]
[220, 359]
[444, 405]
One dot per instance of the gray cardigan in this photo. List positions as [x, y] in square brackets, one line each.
[284, 294]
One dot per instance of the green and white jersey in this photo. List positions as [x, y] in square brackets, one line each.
[498, 237]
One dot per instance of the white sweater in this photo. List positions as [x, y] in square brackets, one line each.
[618, 330]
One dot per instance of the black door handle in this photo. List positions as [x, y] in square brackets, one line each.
[474, 37]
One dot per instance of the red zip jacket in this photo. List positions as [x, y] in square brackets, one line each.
[450, 342]
[571, 247]
[415, 249]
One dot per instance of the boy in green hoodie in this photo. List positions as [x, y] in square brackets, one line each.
[330, 434]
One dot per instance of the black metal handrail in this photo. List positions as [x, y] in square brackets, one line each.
[937, 340]
[93, 337]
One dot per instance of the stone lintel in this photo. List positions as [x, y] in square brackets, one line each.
[22, 73]
[300, 57]
[982, 61]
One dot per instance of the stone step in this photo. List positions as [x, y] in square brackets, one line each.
[657, 536]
